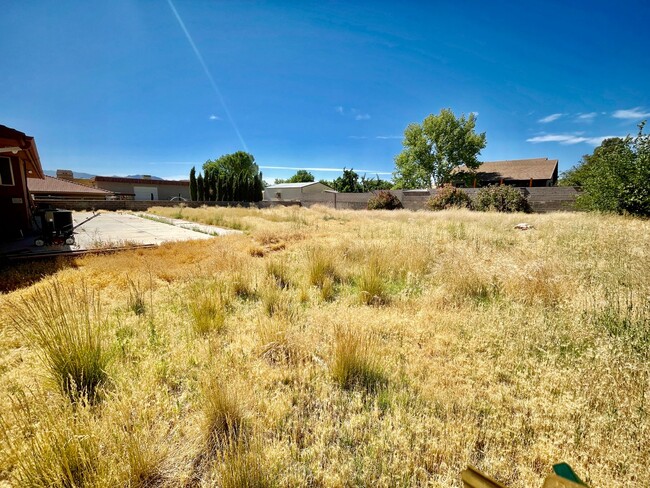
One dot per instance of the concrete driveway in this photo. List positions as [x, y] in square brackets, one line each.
[114, 230]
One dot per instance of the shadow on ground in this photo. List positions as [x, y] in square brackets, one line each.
[16, 275]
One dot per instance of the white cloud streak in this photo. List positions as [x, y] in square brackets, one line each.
[214, 117]
[295, 168]
[568, 139]
[213, 83]
[362, 117]
[550, 118]
[631, 114]
[586, 117]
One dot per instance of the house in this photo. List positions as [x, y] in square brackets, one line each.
[18, 160]
[516, 172]
[293, 191]
[145, 188]
[50, 188]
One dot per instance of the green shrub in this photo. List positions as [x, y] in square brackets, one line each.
[449, 197]
[384, 200]
[501, 199]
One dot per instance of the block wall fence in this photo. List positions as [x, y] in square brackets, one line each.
[542, 199]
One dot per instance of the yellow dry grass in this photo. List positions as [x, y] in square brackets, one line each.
[356, 349]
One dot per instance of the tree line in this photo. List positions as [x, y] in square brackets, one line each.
[445, 148]
[230, 178]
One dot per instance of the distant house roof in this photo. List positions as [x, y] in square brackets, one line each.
[296, 185]
[16, 142]
[50, 185]
[517, 169]
[139, 181]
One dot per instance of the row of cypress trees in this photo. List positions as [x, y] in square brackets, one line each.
[215, 187]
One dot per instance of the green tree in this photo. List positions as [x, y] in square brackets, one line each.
[200, 190]
[372, 184]
[348, 182]
[301, 176]
[193, 189]
[233, 164]
[616, 177]
[434, 149]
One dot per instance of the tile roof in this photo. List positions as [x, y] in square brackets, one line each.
[55, 185]
[517, 169]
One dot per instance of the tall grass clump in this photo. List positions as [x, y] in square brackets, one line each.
[136, 301]
[278, 270]
[371, 284]
[321, 268]
[356, 362]
[59, 451]
[65, 323]
[224, 420]
[244, 467]
[207, 313]
[241, 287]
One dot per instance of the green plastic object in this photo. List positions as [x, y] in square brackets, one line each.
[563, 470]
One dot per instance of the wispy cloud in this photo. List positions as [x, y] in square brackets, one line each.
[354, 113]
[389, 137]
[214, 117]
[586, 117]
[295, 168]
[550, 118]
[568, 139]
[630, 114]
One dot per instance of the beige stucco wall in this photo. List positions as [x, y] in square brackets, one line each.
[294, 193]
[165, 192]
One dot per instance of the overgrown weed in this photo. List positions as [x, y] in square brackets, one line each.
[66, 324]
[356, 361]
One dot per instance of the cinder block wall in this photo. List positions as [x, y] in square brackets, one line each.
[141, 206]
[542, 199]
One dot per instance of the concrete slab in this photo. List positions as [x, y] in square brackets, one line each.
[206, 229]
[116, 229]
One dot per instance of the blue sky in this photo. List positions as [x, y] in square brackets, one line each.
[154, 87]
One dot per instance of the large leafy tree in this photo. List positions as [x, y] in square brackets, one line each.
[348, 182]
[433, 149]
[235, 164]
[616, 177]
[301, 176]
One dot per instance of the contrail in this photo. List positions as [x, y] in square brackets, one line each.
[207, 73]
[327, 169]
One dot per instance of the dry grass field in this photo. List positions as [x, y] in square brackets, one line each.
[334, 348]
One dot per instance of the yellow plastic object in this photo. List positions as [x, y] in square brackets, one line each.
[554, 481]
[473, 478]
